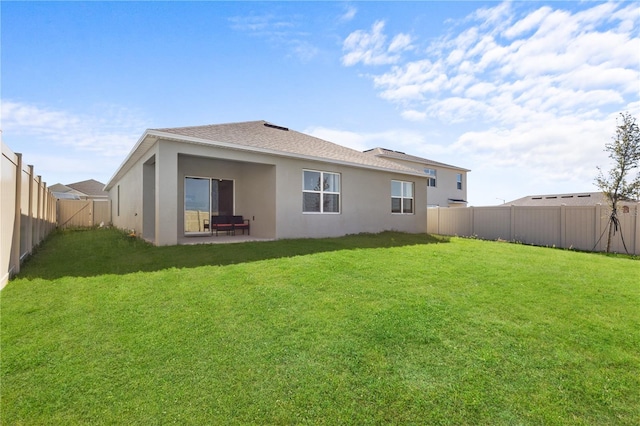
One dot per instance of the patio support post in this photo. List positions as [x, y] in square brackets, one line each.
[166, 188]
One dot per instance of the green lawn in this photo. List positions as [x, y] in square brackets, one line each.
[392, 328]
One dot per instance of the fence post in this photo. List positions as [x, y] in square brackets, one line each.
[15, 241]
[636, 249]
[597, 211]
[45, 210]
[512, 225]
[29, 216]
[471, 220]
[563, 226]
[36, 234]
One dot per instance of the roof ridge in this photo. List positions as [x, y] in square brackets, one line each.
[202, 126]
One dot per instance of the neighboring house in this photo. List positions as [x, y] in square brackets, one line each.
[63, 192]
[572, 199]
[446, 184]
[85, 190]
[288, 184]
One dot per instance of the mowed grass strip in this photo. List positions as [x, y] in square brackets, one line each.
[368, 329]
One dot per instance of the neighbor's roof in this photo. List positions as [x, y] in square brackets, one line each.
[91, 188]
[58, 187]
[398, 155]
[261, 136]
[574, 199]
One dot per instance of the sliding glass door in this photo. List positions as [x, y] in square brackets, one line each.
[203, 198]
[197, 205]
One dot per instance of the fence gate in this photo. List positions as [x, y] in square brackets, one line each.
[83, 213]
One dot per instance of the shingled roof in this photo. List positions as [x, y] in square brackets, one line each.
[262, 137]
[91, 188]
[277, 139]
[398, 155]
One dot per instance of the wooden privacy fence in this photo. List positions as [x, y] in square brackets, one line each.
[27, 212]
[83, 213]
[581, 228]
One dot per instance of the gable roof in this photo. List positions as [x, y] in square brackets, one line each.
[91, 188]
[60, 188]
[571, 199]
[398, 155]
[263, 137]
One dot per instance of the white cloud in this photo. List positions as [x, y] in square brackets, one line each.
[371, 48]
[532, 90]
[564, 149]
[341, 137]
[577, 60]
[399, 43]
[412, 141]
[260, 24]
[413, 115]
[528, 23]
[279, 31]
[349, 14]
[110, 131]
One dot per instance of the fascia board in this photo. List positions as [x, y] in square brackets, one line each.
[426, 163]
[133, 156]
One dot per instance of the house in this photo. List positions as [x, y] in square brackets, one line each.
[85, 190]
[288, 184]
[446, 184]
[571, 199]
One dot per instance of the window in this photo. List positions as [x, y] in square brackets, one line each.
[431, 180]
[459, 181]
[401, 197]
[320, 192]
[118, 200]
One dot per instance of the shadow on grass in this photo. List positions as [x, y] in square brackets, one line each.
[94, 252]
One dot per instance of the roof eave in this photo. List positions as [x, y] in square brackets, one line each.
[228, 145]
[425, 162]
[133, 156]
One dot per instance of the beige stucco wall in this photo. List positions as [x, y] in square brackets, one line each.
[126, 211]
[365, 202]
[268, 191]
[446, 184]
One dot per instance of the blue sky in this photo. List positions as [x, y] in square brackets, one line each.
[525, 94]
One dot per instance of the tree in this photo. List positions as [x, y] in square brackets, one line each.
[624, 150]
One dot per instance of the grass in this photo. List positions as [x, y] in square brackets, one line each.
[391, 328]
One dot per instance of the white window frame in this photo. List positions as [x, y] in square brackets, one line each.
[322, 192]
[459, 181]
[403, 197]
[432, 177]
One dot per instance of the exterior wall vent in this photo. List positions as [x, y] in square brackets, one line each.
[273, 126]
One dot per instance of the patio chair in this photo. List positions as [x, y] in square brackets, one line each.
[240, 223]
[222, 223]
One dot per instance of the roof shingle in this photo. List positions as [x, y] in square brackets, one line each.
[388, 153]
[266, 136]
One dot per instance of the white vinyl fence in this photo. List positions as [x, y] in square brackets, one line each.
[27, 212]
[581, 228]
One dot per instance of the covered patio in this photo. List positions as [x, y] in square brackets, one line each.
[220, 239]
